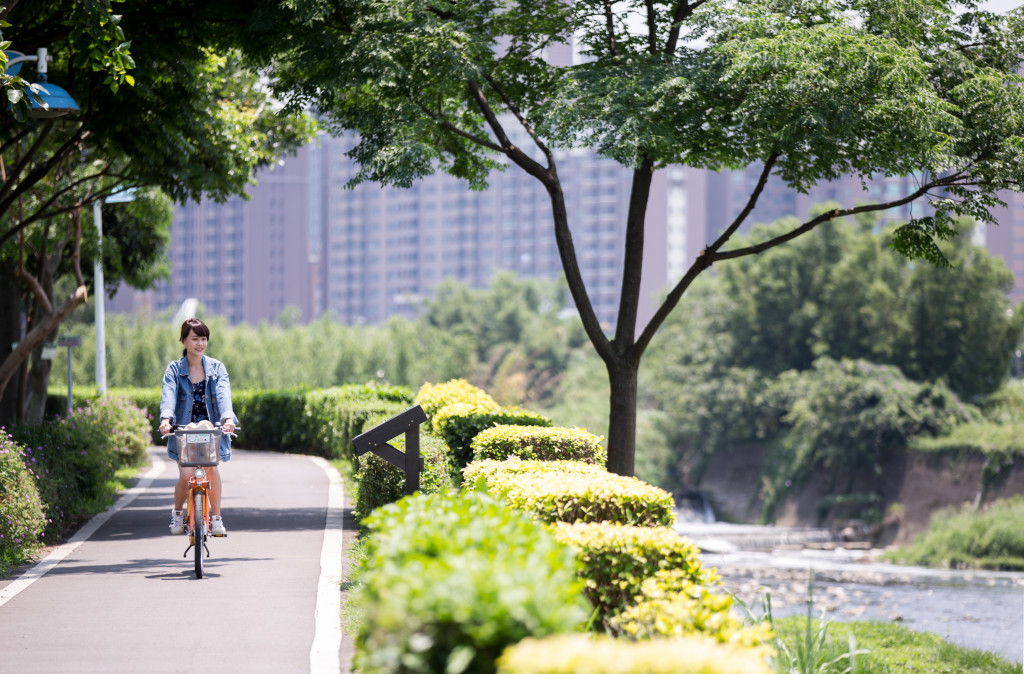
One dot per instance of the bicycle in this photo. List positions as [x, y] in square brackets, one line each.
[198, 448]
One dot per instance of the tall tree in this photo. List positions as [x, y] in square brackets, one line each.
[165, 103]
[808, 91]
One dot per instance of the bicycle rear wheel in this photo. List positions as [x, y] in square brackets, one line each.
[199, 534]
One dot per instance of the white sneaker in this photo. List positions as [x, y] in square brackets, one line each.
[177, 522]
[217, 526]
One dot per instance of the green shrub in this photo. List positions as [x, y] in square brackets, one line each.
[582, 496]
[74, 458]
[273, 419]
[576, 653]
[22, 518]
[670, 604]
[450, 581]
[617, 558]
[533, 442]
[460, 423]
[988, 538]
[337, 415]
[146, 399]
[124, 427]
[381, 483]
[433, 397]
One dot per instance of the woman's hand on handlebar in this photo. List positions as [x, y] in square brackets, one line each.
[228, 425]
[165, 427]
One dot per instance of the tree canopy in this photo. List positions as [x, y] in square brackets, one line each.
[841, 292]
[808, 91]
[166, 103]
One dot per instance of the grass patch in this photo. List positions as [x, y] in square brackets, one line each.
[987, 538]
[890, 649]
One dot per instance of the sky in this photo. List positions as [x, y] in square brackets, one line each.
[1000, 5]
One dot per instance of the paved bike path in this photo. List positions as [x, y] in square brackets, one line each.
[125, 600]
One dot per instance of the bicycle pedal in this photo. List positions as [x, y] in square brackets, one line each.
[219, 535]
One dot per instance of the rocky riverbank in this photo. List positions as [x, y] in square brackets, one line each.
[983, 610]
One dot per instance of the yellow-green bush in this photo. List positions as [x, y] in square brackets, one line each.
[574, 654]
[433, 397]
[459, 423]
[516, 466]
[451, 580]
[581, 496]
[618, 558]
[532, 442]
[672, 605]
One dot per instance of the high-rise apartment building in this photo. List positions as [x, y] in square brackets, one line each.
[385, 249]
[360, 255]
[247, 260]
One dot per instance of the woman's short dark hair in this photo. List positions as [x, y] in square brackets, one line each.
[193, 325]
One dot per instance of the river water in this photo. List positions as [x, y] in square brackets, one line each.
[982, 610]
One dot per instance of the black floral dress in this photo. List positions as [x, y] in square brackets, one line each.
[199, 412]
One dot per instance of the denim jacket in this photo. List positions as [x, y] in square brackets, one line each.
[176, 399]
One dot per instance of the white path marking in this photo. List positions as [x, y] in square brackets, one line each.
[82, 535]
[323, 656]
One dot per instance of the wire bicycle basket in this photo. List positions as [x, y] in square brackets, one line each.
[199, 446]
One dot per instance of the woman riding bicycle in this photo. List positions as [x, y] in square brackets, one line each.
[196, 388]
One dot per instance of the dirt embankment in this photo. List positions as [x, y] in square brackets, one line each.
[913, 485]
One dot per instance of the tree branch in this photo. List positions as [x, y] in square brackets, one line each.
[511, 105]
[652, 25]
[762, 180]
[38, 334]
[704, 260]
[832, 215]
[37, 174]
[42, 212]
[633, 259]
[545, 175]
[446, 124]
[683, 10]
[609, 17]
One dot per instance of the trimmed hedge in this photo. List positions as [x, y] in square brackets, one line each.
[22, 517]
[337, 415]
[381, 483]
[670, 604]
[603, 655]
[533, 442]
[515, 466]
[434, 397]
[460, 423]
[451, 580]
[618, 558]
[580, 495]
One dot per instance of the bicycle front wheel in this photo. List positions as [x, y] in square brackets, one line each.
[199, 533]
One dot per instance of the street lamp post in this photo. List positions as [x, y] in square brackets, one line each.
[46, 100]
[98, 288]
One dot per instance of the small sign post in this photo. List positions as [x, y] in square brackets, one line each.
[376, 440]
[70, 343]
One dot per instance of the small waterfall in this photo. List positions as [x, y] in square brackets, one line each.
[693, 506]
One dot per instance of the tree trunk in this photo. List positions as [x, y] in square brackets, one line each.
[40, 332]
[38, 387]
[10, 332]
[622, 376]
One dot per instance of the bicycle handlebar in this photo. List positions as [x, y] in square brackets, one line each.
[182, 427]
